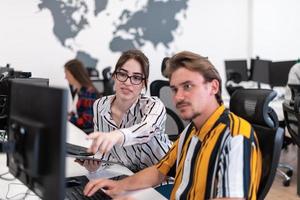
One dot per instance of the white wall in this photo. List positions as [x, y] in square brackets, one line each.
[214, 28]
[276, 29]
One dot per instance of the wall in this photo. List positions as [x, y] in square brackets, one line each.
[214, 28]
[276, 29]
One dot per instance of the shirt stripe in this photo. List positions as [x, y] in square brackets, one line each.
[226, 165]
[143, 126]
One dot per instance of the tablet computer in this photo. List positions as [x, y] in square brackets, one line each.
[83, 158]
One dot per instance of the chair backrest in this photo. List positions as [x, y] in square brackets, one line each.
[108, 82]
[174, 125]
[295, 91]
[292, 118]
[164, 66]
[104, 87]
[99, 85]
[253, 106]
[92, 72]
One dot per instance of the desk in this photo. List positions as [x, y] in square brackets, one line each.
[73, 169]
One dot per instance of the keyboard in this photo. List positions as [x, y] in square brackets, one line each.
[75, 186]
[77, 150]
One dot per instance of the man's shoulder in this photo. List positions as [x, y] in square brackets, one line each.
[239, 126]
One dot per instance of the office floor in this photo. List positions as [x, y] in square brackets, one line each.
[278, 191]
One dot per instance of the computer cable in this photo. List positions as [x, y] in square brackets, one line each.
[24, 194]
[6, 179]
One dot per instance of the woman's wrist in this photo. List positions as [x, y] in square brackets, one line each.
[121, 137]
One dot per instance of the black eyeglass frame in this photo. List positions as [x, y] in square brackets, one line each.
[130, 78]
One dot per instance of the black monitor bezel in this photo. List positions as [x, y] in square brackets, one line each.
[237, 66]
[279, 72]
[47, 109]
[260, 70]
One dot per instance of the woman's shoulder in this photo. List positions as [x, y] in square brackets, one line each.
[150, 99]
[104, 100]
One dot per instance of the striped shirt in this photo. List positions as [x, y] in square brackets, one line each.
[143, 126]
[220, 160]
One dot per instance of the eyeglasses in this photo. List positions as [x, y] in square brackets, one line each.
[134, 79]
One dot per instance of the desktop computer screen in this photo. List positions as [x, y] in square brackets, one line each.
[37, 126]
[236, 70]
[279, 72]
[4, 95]
[260, 70]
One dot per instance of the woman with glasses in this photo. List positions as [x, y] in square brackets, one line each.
[129, 126]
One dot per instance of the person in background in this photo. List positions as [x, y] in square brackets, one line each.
[81, 114]
[216, 156]
[293, 78]
[129, 126]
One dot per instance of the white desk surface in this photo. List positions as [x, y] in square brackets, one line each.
[72, 169]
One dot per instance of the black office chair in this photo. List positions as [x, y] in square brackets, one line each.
[93, 72]
[108, 82]
[292, 118]
[164, 66]
[174, 125]
[253, 106]
[295, 91]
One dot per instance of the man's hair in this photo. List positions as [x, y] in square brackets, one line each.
[138, 56]
[198, 63]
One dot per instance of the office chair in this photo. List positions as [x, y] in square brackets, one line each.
[93, 73]
[253, 106]
[164, 66]
[233, 77]
[108, 82]
[174, 125]
[292, 119]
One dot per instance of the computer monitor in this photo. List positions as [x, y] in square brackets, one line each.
[4, 95]
[34, 81]
[260, 70]
[37, 126]
[279, 72]
[236, 70]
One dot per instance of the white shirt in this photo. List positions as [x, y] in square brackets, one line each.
[143, 126]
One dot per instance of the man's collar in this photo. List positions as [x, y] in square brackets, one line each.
[209, 123]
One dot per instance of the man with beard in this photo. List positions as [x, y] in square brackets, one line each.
[216, 156]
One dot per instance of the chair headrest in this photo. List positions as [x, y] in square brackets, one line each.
[253, 106]
[106, 73]
[164, 66]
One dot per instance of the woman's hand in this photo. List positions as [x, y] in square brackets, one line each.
[103, 142]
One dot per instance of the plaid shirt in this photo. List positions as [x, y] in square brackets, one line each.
[84, 117]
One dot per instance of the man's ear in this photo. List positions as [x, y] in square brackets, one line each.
[215, 86]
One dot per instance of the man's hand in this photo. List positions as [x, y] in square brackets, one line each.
[110, 187]
[104, 142]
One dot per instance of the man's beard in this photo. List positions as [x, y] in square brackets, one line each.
[195, 114]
